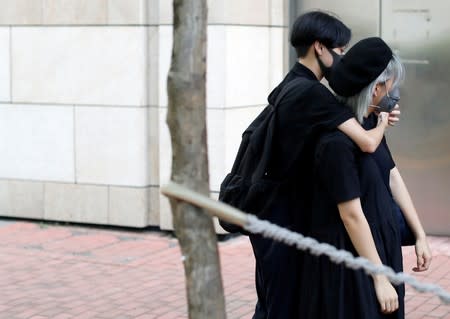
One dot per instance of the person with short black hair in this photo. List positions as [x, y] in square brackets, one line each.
[318, 26]
[304, 114]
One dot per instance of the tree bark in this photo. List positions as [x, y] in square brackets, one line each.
[186, 119]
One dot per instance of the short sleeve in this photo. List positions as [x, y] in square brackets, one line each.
[390, 160]
[337, 169]
[326, 112]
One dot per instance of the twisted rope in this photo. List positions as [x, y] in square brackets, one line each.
[267, 229]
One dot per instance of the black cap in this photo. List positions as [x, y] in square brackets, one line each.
[361, 65]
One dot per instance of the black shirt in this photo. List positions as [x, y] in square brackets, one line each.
[336, 178]
[382, 155]
[301, 118]
[343, 173]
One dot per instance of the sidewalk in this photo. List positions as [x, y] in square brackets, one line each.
[58, 272]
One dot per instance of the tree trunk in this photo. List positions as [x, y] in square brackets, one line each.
[187, 123]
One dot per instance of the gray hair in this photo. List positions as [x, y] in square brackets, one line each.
[360, 102]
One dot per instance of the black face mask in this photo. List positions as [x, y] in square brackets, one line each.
[389, 101]
[326, 70]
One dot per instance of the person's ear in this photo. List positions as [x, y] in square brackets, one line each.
[318, 47]
[376, 90]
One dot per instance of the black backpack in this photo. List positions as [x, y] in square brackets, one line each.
[247, 187]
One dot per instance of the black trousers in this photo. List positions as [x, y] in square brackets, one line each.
[277, 275]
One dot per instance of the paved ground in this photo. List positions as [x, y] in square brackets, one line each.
[50, 271]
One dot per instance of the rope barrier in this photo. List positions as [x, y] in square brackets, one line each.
[269, 230]
[256, 226]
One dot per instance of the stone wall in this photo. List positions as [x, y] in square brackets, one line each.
[83, 102]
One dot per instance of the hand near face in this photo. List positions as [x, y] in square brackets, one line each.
[394, 116]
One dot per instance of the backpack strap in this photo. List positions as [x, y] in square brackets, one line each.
[271, 130]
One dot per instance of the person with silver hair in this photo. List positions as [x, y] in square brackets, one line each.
[351, 206]
[361, 102]
[382, 95]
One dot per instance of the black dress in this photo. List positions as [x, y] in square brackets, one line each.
[382, 155]
[328, 290]
[301, 118]
[386, 163]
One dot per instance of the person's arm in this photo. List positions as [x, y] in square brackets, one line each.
[359, 232]
[403, 199]
[337, 170]
[367, 141]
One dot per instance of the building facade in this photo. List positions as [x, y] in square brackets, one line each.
[83, 100]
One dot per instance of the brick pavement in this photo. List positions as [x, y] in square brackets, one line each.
[58, 272]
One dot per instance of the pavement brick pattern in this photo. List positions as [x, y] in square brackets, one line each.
[59, 272]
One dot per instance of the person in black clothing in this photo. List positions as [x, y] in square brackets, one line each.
[301, 117]
[386, 86]
[352, 207]
[410, 224]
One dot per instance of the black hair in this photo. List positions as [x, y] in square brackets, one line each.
[318, 26]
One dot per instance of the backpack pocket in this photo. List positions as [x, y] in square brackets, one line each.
[260, 197]
[232, 192]
[252, 198]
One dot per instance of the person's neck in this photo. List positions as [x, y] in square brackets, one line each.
[311, 63]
